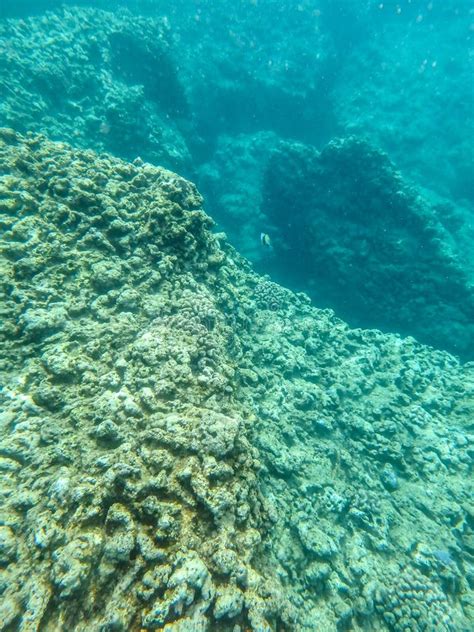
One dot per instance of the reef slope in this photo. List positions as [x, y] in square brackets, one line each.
[359, 238]
[185, 445]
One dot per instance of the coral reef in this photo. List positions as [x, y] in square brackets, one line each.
[99, 80]
[144, 498]
[206, 88]
[353, 233]
[188, 446]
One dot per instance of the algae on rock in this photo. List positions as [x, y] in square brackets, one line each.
[96, 79]
[187, 446]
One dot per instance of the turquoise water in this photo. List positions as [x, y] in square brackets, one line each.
[261, 421]
[220, 92]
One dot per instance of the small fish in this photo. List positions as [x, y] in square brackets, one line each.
[443, 556]
[265, 240]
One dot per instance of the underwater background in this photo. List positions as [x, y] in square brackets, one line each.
[237, 346]
[241, 96]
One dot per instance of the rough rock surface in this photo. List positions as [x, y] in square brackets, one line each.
[187, 446]
[100, 80]
[357, 237]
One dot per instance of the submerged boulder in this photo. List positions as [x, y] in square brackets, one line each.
[352, 233]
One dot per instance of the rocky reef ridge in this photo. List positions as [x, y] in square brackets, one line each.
[354, 234]
[185, 445]
[97, 80]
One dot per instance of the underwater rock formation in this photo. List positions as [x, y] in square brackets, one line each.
[355, 235]
[96, 79]
[125, 83]
[262, 66]
[188, 446]
[232, 186]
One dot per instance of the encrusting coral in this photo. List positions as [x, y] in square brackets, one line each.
[71, 74]
[187, 446]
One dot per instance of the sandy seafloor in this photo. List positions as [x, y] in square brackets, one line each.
[185, 443]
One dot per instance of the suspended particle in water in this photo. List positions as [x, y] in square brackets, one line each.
[104, 128]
